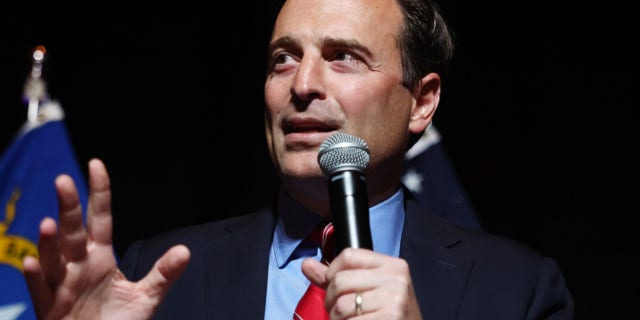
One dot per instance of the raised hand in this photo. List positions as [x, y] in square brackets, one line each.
[77, 276]
[382, 282]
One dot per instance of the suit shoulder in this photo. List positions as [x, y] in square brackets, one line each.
[492, 246]
[146, 251]
[199, 232]
[482, 246]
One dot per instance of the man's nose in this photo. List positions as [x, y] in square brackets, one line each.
[308, 82]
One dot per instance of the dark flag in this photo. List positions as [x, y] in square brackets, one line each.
[429, 174]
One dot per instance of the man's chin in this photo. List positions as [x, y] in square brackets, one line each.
[307, 184]
[303, 164]
[301, 170]
[302, 174]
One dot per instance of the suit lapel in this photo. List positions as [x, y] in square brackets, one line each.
[439, 274]
[238, 280]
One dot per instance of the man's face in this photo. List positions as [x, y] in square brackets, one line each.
[335, 66]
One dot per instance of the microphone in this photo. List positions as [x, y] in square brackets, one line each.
[343, 159]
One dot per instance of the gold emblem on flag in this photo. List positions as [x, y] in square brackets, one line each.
[14, 248]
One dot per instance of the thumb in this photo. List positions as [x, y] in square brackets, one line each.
[315, 271]
[166, 271]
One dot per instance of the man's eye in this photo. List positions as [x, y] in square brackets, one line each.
[282, 59]
[345, 56]
[281, 62]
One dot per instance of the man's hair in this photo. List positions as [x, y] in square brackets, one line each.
[426, 44]
[425, 41]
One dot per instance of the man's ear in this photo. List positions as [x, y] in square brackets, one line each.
[427, 95]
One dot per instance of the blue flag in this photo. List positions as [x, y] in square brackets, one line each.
[41, 151]
[430, 176]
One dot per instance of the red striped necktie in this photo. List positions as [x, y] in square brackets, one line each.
[311, 305]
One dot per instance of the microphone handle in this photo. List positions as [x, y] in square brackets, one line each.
[350, 210]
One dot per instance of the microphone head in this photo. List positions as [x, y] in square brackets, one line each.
[341, 152]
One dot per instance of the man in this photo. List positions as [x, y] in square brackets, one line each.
[364, 67]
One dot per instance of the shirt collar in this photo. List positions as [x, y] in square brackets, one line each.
[295, 222]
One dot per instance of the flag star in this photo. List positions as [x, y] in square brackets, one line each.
[413, 180]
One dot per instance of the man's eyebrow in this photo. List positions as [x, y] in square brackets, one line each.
[288, 42]
[285, 41]
[346, 43]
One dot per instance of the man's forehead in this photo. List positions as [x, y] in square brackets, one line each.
[343, 20]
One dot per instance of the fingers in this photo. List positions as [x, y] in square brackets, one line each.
[41, 296]
[166, 270]
[73, 238]
[50, 260]
[351, 258]
[44, 276]
[99, 219]
[342, 289]
[73, 235]
[354, 270]
[383, 284]
[315, 271]
[353, 305]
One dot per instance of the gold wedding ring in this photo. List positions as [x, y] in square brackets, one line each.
[358, 304]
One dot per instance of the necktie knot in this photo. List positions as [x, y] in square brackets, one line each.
[322, 236]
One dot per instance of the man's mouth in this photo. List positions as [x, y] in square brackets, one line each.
[308, 126]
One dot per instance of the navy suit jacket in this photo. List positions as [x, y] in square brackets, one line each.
[457, 273]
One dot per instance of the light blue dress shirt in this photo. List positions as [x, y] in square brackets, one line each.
[286, 282]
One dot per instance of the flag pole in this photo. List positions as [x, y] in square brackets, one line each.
[35, 87]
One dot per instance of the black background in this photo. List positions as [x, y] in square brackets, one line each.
[536, 117]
